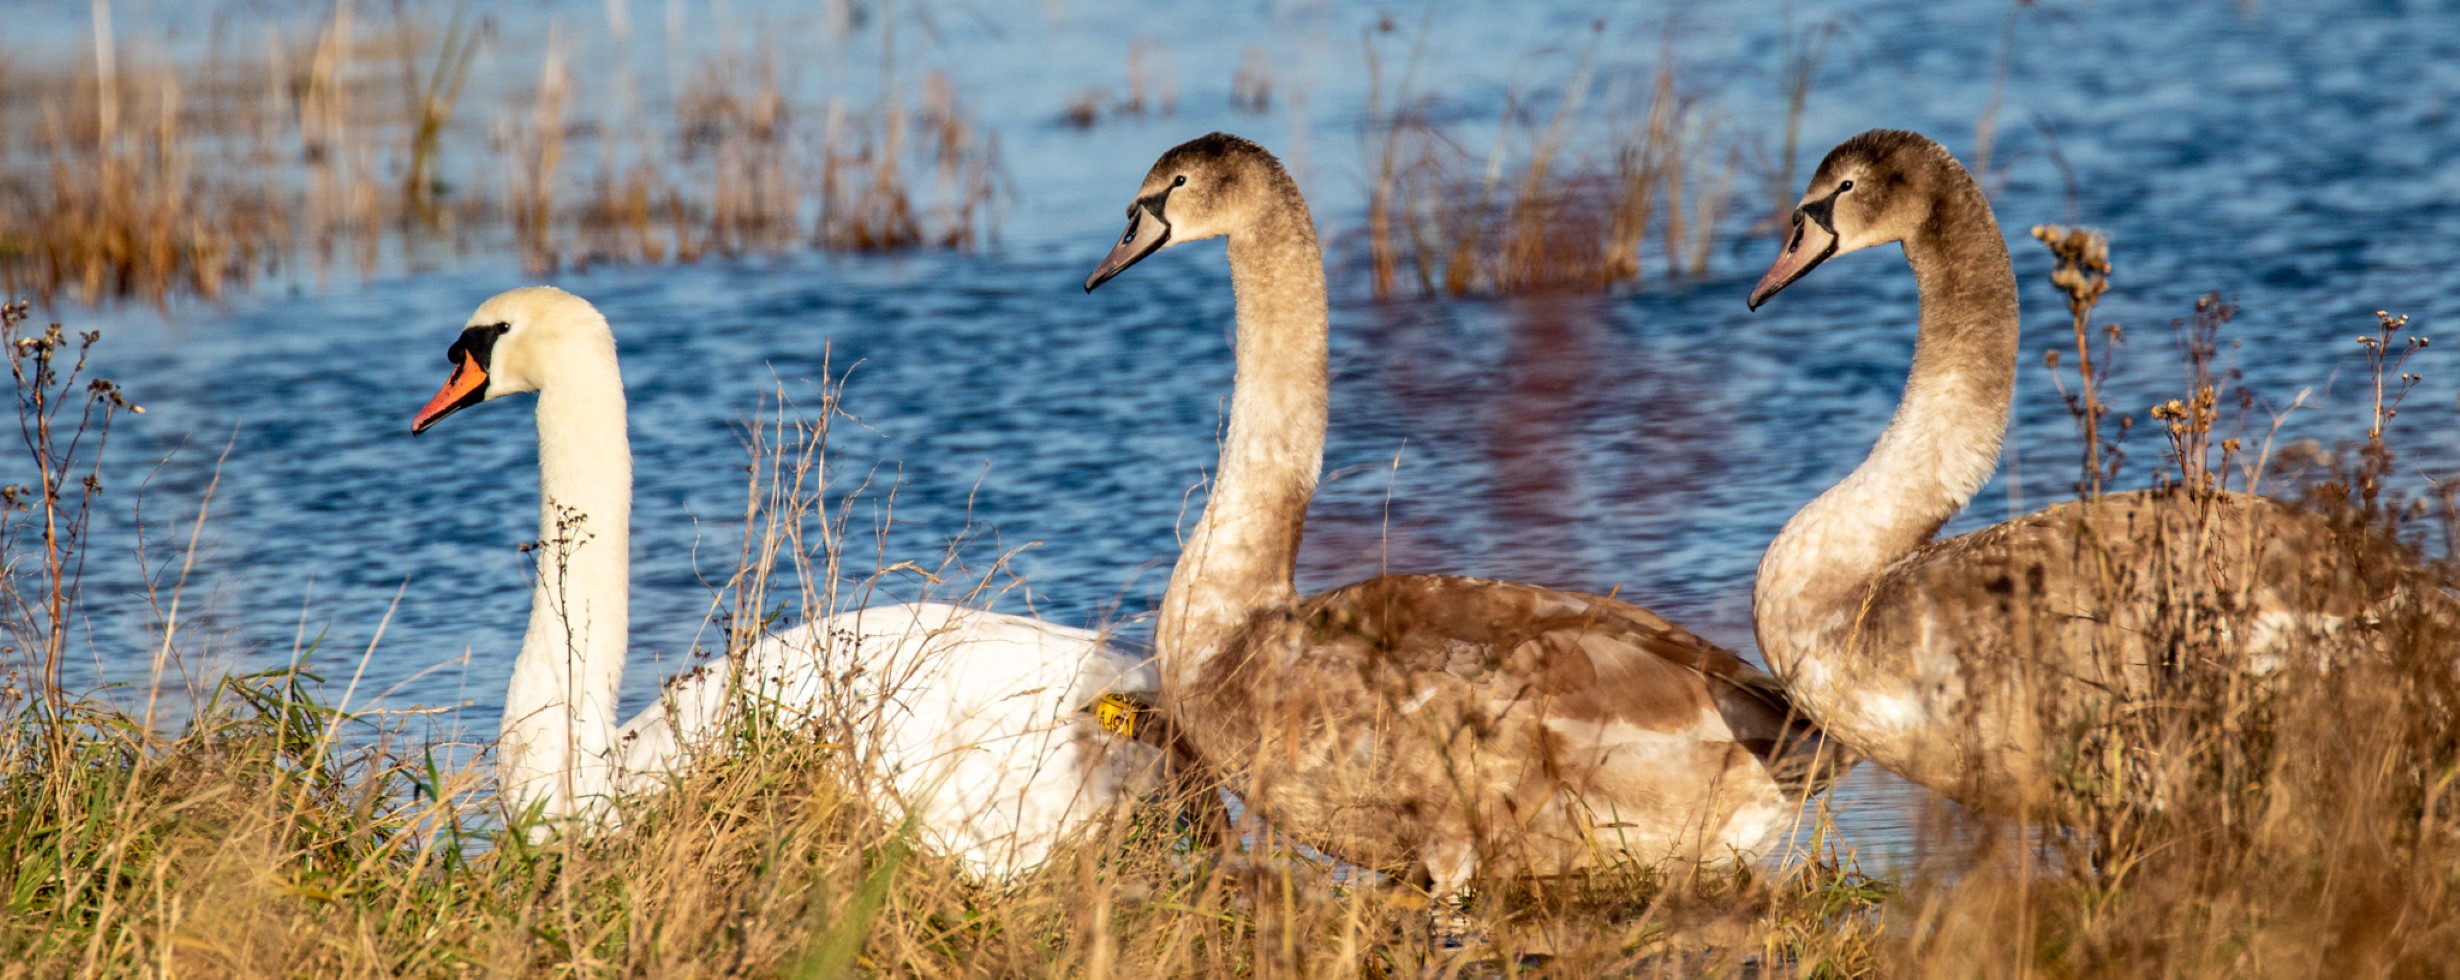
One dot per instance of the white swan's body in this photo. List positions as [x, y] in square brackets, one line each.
[973, 718]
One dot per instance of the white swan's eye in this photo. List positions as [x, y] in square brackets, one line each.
[1846, 186]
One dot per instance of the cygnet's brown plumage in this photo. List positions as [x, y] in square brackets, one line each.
[1460, 725]
[1969, 665]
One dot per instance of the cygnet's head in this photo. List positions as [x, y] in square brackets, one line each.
[1207, 187]
[1873, 189]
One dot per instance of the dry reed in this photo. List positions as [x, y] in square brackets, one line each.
[1530, 213]
[1147, 90]
[153, 179]
[743, 168]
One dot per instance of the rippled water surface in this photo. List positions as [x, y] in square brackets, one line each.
[2288, 155]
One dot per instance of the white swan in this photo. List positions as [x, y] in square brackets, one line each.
[1451, 725]
[979, 716]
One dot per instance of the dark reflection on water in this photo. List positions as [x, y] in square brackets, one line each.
[1650, 441]
[1535, 491]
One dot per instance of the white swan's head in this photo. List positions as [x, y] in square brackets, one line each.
[1872, 189]
[521, 340]
[1207, 187]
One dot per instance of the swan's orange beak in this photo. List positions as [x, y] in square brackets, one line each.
[1810, 244]
[467, 387]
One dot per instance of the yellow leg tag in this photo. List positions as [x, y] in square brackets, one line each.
[1117, 714]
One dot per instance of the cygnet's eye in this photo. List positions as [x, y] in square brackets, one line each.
[1846, 186]
[1181, 182]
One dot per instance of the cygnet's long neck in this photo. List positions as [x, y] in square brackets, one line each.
[1244, 552]
[559, 714]
[1938, 450]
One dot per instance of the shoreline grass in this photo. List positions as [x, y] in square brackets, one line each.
[2232, 829]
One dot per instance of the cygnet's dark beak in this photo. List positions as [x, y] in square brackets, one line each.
[1811, 242]
[1147, 232]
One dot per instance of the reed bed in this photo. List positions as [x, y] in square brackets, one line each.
[148, 177]
[426, 132]
[113, 198]
[1568, 198]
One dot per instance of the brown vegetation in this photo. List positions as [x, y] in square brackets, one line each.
[165, 179]
[1461, 222]
[149, 179]
[1148, 90]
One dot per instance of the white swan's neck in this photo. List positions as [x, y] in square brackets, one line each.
[1244, 551]
[559, 714]
[1938, 450]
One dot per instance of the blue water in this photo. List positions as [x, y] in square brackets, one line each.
[1651, 440]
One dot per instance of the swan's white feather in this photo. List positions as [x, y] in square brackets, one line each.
[973, 719]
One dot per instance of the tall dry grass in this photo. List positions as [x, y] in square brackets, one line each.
[433, 96]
